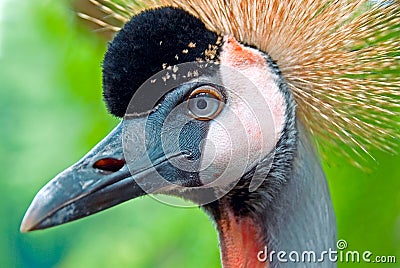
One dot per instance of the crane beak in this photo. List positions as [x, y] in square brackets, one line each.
[100, 180]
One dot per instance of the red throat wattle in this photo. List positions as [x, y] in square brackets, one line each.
[240, 241]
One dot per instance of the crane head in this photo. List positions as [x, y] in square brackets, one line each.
[199, 112]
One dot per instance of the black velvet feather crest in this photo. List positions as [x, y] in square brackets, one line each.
[146, 44]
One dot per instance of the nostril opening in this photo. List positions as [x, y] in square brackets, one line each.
[109, 164]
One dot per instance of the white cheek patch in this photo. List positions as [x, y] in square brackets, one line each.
[251, 123]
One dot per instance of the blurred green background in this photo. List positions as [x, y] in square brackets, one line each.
[51, 113]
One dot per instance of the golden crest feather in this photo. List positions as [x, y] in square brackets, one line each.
[341, 59]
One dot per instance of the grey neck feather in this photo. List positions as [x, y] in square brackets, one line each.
[298, 212]
[301, 216]
[296, 206]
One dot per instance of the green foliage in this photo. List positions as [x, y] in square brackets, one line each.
[51, 113]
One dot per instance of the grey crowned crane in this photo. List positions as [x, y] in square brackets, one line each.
[221, 103]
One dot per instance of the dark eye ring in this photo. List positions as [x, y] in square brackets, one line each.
[205, 103]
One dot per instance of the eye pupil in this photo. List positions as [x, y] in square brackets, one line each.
[202, 104]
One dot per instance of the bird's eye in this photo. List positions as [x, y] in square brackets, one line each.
[205, 103]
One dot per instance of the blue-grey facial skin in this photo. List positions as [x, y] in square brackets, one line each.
[166, 133]
[171, 130]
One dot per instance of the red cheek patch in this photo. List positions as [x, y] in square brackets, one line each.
[239, 56]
